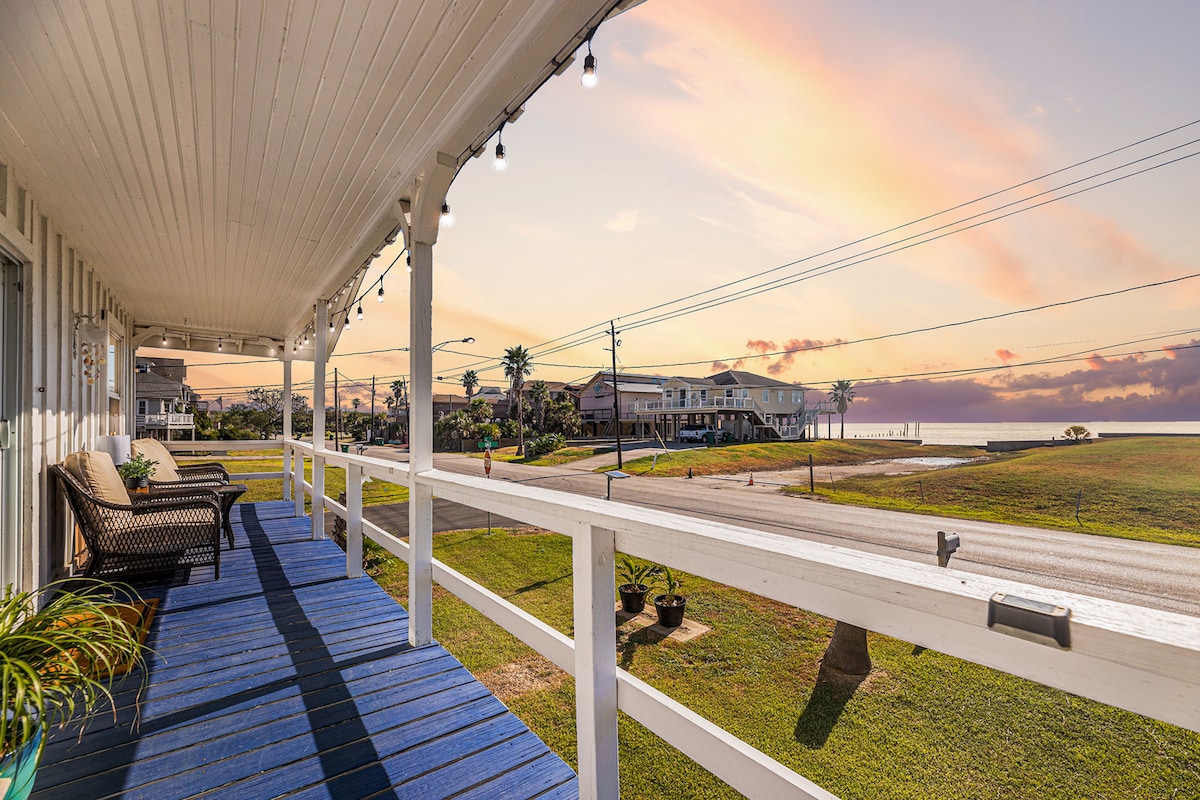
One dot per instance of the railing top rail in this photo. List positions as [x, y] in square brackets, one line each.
[1137, 658]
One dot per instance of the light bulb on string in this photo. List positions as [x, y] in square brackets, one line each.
[331, 328]
[447, 219]
[220, 345]
[380, 297]
[346, 325]
[164, 338]
[360, 314]
[501, 162]
[589, 79]
[408, 262]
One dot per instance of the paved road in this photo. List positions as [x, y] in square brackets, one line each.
[1159, 576]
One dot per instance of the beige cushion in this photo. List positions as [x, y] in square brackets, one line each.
[154, 450]
[95, 470]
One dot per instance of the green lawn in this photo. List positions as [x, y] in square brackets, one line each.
[923, 725]
[768, 456]
[375, 493]
[564, 455]
[1145, 488]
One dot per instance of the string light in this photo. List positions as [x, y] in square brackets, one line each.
[381, 290]
[346, 326]
[589, 79]
[501, 163]
[360, 312]
[447, 219]
[220, 345]
[331, 328]
[164, 338]
[408, 262]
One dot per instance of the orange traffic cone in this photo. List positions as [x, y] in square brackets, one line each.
[751, 483]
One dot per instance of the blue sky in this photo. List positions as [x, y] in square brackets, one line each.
[726, 140]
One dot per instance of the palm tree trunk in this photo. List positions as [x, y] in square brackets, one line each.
[847, 651]
[843, 426]
[520, 426]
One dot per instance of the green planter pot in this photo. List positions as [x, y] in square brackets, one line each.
[17, 772]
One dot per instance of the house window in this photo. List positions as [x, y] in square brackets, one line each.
[729, 392]
[766, 395]
[797, 397]
[142, 407]
[703, 395]
[780, 396]
[745, 394]
[667, 394]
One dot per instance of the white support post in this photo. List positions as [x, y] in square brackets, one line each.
[354, 521]
[287, 419]
[320, 343]
[298, 483]
[420, 446]
[592, 555]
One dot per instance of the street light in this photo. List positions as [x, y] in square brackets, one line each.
[440, 345]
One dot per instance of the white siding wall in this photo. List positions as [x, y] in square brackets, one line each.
[62, 413]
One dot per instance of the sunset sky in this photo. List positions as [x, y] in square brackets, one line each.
[732, 140]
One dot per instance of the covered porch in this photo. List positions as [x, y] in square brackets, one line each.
[286, 677]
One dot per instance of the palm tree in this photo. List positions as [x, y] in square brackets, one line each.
[539, 398]
[470, 381]
[517, 363]
[843, 395]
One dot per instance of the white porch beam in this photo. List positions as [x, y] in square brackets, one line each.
[320, 342]
[592, 555]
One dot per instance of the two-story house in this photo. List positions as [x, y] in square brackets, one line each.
[596, 403]
[164, 401]
[750, 407]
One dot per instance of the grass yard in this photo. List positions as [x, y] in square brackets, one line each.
[565, 455]
[769, 456]
[1144, 488]
[375, 493]
[923, 725]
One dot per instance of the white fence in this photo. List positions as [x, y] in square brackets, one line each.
[1140, 659]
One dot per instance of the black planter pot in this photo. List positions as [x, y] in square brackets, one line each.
[137, 483]
[633, 597]
[669, 616]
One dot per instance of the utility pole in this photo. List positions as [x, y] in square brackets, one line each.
[371, 428]
[337, 410]
[612, 329]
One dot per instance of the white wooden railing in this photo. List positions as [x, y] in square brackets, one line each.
[1140, 659]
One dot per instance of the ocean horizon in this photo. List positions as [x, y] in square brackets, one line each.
[980, 433]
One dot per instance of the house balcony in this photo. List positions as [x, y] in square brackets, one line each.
[283, 579]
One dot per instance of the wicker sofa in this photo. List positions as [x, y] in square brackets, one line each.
[167, 473]
[157, 532]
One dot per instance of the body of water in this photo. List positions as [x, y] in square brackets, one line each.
[980, 433]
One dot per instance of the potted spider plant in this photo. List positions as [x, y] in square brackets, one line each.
[59, 648]
[670, 604]
[632, 586]
[136, 471]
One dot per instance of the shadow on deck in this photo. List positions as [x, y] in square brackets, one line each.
[287, 679]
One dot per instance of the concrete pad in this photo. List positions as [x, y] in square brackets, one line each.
[648, 619]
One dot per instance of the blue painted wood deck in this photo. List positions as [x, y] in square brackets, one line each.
[286, 679]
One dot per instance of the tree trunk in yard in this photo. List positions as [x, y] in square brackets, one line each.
[847, 651]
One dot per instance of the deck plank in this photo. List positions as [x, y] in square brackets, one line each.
[287, 679]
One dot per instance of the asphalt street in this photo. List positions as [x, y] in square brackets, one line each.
[1159, 576]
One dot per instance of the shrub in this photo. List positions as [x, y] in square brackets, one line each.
[545, 444]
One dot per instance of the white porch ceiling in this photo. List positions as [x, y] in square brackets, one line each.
[230, 163]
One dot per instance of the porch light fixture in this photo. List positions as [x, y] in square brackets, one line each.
[447, 218]
[500, 164]
[380, 296]
[360, 311]
[589, 79]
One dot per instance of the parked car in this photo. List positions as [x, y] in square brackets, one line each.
[695, 433]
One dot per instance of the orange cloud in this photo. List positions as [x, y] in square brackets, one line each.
[760, 346]
[1005, 355]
